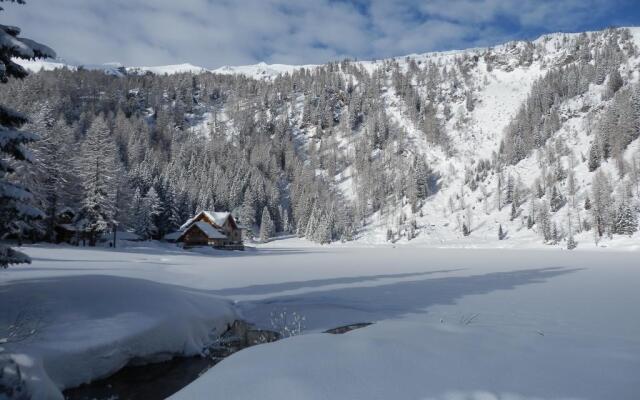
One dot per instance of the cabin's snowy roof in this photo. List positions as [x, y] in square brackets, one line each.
[172, 236]
[126, 235]
[218, 218]
[210, 231]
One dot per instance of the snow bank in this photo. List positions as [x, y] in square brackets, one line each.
[452, 325]
[89, 326]
[408, 360]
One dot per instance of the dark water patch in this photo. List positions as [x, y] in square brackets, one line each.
[160, 380]
[151, 381]
[347, 328]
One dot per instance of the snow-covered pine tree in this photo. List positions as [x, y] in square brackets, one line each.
[54, 173]
[501, 233]
[509, 190]
[601, 206]
[557, 199]
[469, 102]
[614, 83]
[594, 157]
[169, 219]
[312, 223]
[323, 231]
[555, 234]
[153, 210]
[514, 211]
[14, 198]
[137, 216]
[626, 218]
[286, 222]
[266, 226]
[465, 229]
[571, 242]
[587, 203]
[543, 220]
[97, 167]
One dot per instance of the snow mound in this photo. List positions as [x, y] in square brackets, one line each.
[90, 326]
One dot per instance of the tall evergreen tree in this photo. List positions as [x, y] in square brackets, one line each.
[626, 218]
[594, 157]
[266, 226]
[152, 211]
[54, 177]
[137, 214]
[602, 203]
[97, 166]
[14, 198]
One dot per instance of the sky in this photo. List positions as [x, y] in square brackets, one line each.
[214, 33]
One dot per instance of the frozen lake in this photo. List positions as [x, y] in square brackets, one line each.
[450, 323]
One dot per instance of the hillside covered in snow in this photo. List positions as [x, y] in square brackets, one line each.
[527, 143]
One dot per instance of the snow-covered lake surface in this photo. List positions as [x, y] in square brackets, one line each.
[449, 323]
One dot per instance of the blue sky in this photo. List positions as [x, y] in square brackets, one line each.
[213, 33]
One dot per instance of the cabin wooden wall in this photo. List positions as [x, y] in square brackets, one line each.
[195, 237]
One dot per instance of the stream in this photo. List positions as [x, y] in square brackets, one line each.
[162, 379]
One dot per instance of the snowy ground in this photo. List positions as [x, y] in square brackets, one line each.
[450, 323]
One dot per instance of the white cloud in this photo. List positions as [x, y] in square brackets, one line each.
[212, 33]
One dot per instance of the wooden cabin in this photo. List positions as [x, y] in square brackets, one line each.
[211, 228]
[65, 228]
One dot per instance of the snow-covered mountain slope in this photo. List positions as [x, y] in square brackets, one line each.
[168, 69]
[498, 92]
[520, 120]
[261, 70]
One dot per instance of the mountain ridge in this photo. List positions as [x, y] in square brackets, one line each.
[265, 70]
[496, 146]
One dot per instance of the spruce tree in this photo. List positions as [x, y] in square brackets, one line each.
[14, 198]
[614, 83]
[286, 225]
[323, 232]
[555, 234]
[557, 200]
[543, 220]
[266, 226]
[169, 220]
[626, 222]
[153, 210]
[54, 173]
[587, 203]
[601, 207]
[137, 216]
[97, 167]
[594, 157]
[571, 243]
[514, 211]
[465, 230]
[501, 233]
